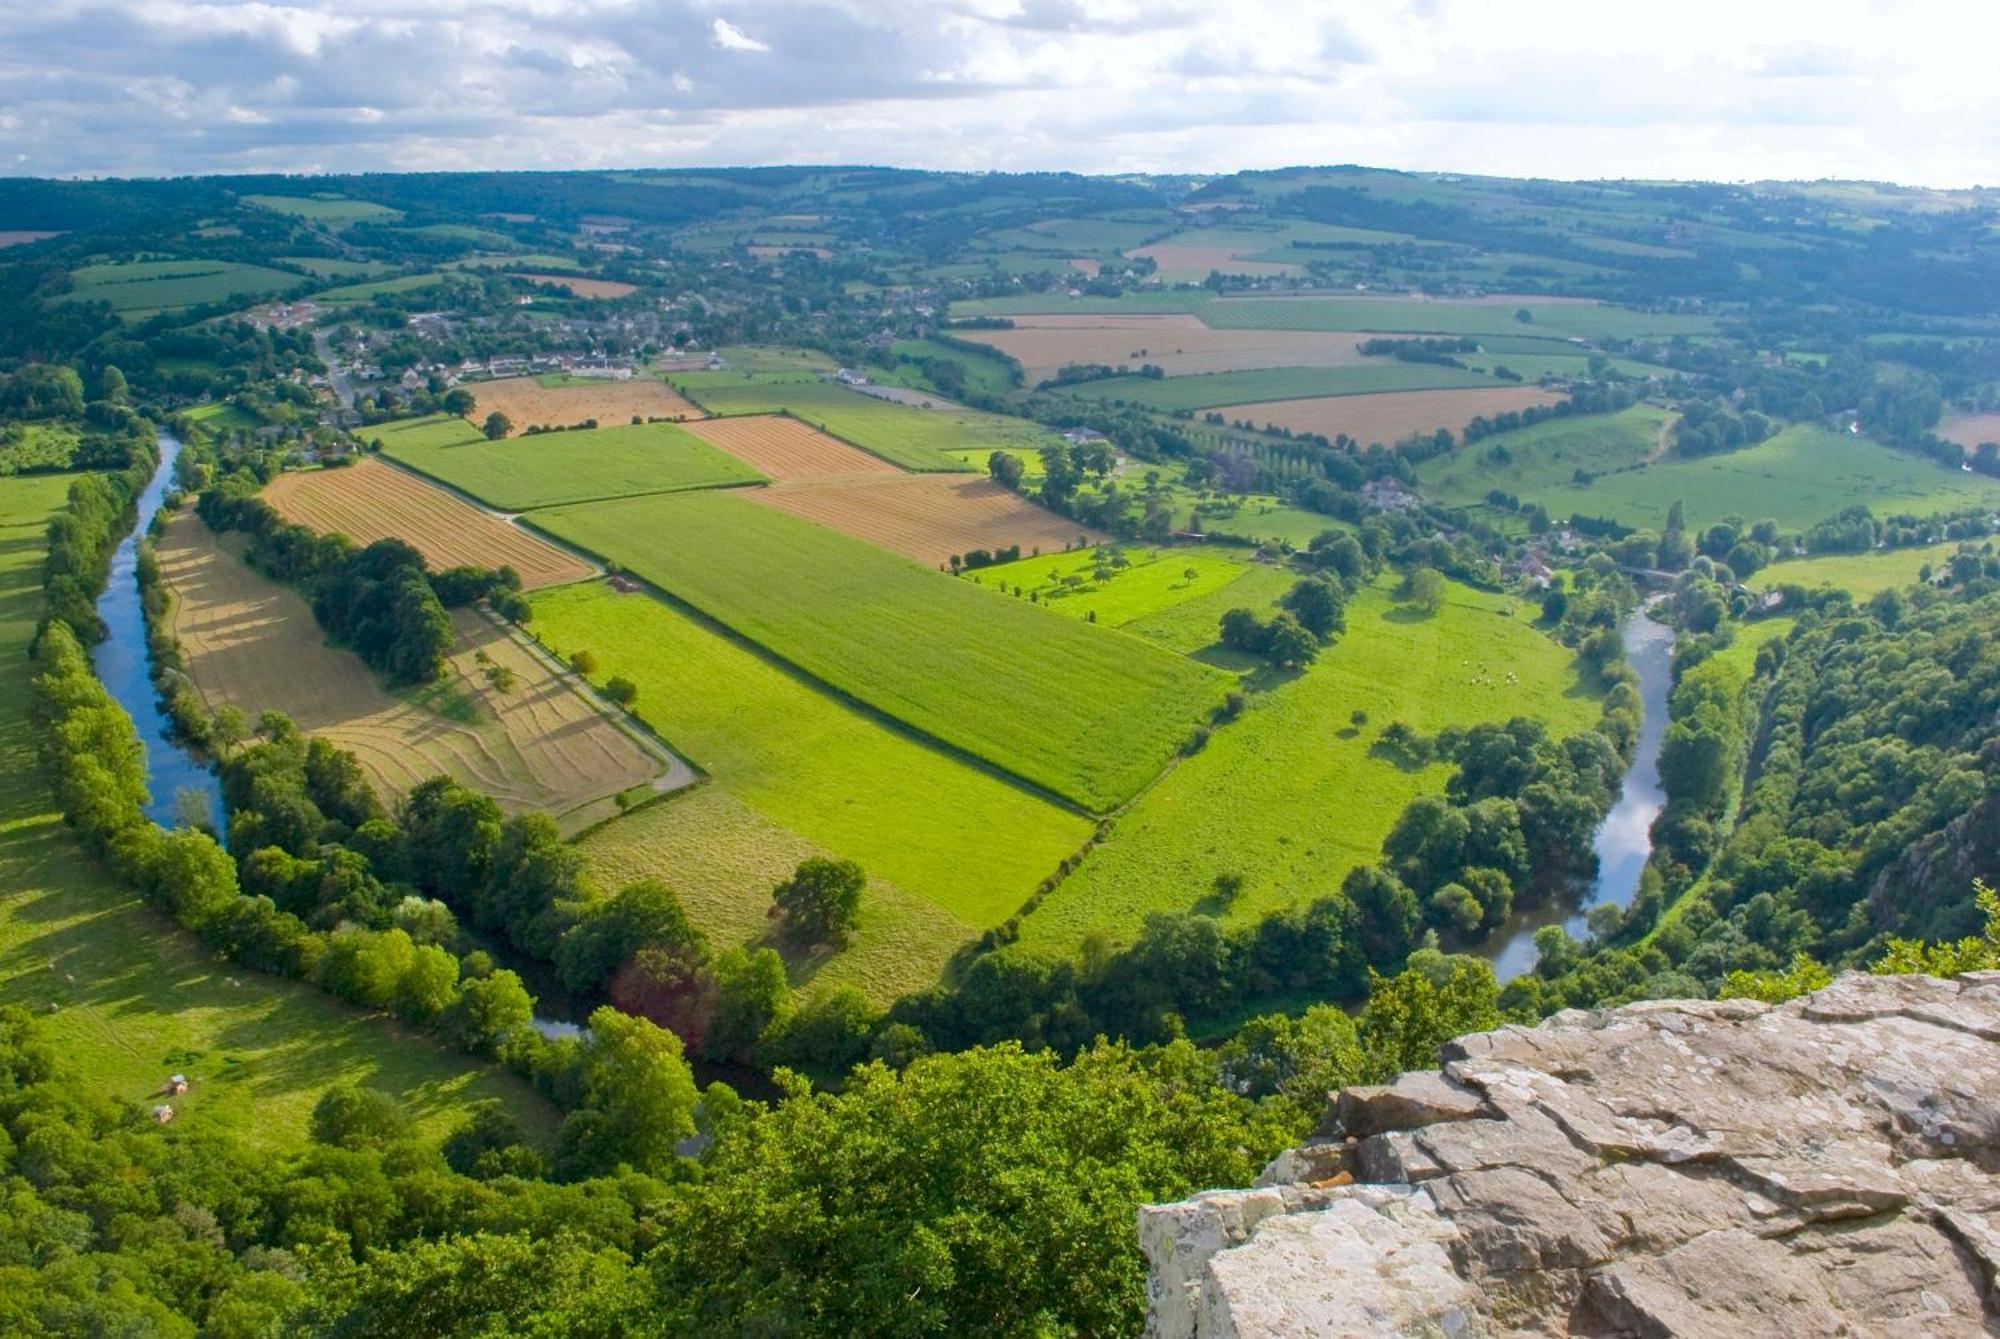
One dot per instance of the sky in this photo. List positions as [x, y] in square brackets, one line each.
[1699, 89]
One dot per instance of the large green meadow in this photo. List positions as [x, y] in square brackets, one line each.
[1562, 320]
[139, 288]
[1144, 589]
[333, 210]
[1859, 574]
[1215, 389]
[916, 439]
[549, 468]
[1292, 794]
[950, 848]
[128, 998]
[1545, 456]
[1086, 712]
[1802, 475]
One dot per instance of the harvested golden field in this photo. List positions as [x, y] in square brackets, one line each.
[928, 517]
[1179, 343]
[783, 449]
[252, 643]
[1969, 430]
[1391, 415]
[765, 251]
[577, 286]
[528, 403]
[369, 500]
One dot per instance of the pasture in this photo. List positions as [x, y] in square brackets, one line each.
[1546, 454]
[128, 998]
[140, 288]
[1291, 795]
[549, 468]
[577, 286]
[1142, 589]
[368, 292]
[1802, 475]
[333, 210]
[1256, 389]
[1859, 574]
[1178, 343]
[928, 517]
[1088, 713]
[916, 439]
[36, 447]
[550, 402]
[783, 449]
[252, 643]
[951, 848]
[368, 500]
[1392, 415]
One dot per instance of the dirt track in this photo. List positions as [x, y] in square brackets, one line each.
[369, 500]
[252, 643]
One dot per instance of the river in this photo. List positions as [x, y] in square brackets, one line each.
[182, 788]
[1624, 840]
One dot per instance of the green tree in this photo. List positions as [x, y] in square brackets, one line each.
[1319, 606]
[1289, 644]
[1411, 1015]
[461, 402]
[751, 995]
[1423, 589]
[498, 425]
[352, 1117]
[821, 902]
[639, 1096]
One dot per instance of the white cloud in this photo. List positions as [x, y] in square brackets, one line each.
[1721, 89]
[732, 38]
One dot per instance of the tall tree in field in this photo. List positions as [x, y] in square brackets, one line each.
[821, 902]
[498, 425]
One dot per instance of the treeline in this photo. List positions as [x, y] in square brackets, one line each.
[1440, 351]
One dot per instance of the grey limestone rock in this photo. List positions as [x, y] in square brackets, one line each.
[1830, 1166]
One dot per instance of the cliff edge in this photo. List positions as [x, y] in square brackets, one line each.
[1826, 1166]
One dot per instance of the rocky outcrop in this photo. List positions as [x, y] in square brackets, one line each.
[1829, 1166]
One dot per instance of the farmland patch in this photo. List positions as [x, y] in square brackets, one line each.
[928, 517]
[1290, 796]
[368, 500]
[1086, 712]
[784, 449]
[1179, 343]
[537, 743]
[1392, 415]
[545, 469]
[578, 286]
[530, 402]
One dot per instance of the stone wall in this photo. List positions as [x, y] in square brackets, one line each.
[1827, 1166]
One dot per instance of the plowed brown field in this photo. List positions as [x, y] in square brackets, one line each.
[1179, 343]
[783, 449]
[528, 403]
[1969, 430]
[1391, 415]
[929, 517]
[252, 643]
[369, 500]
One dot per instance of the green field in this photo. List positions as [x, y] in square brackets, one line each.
[1802, 475]
[327, 268]
[1387, 315]
[916, 439]
[408, 283]
[950, 848]
[1861, 574]
[549, 468]
[1213, 389]
[37, 447]
[1153, 595]
[128, 998]
[1289, 796]
[331, 210]
[1086, 712]
[1544, 456]
[142, 287]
